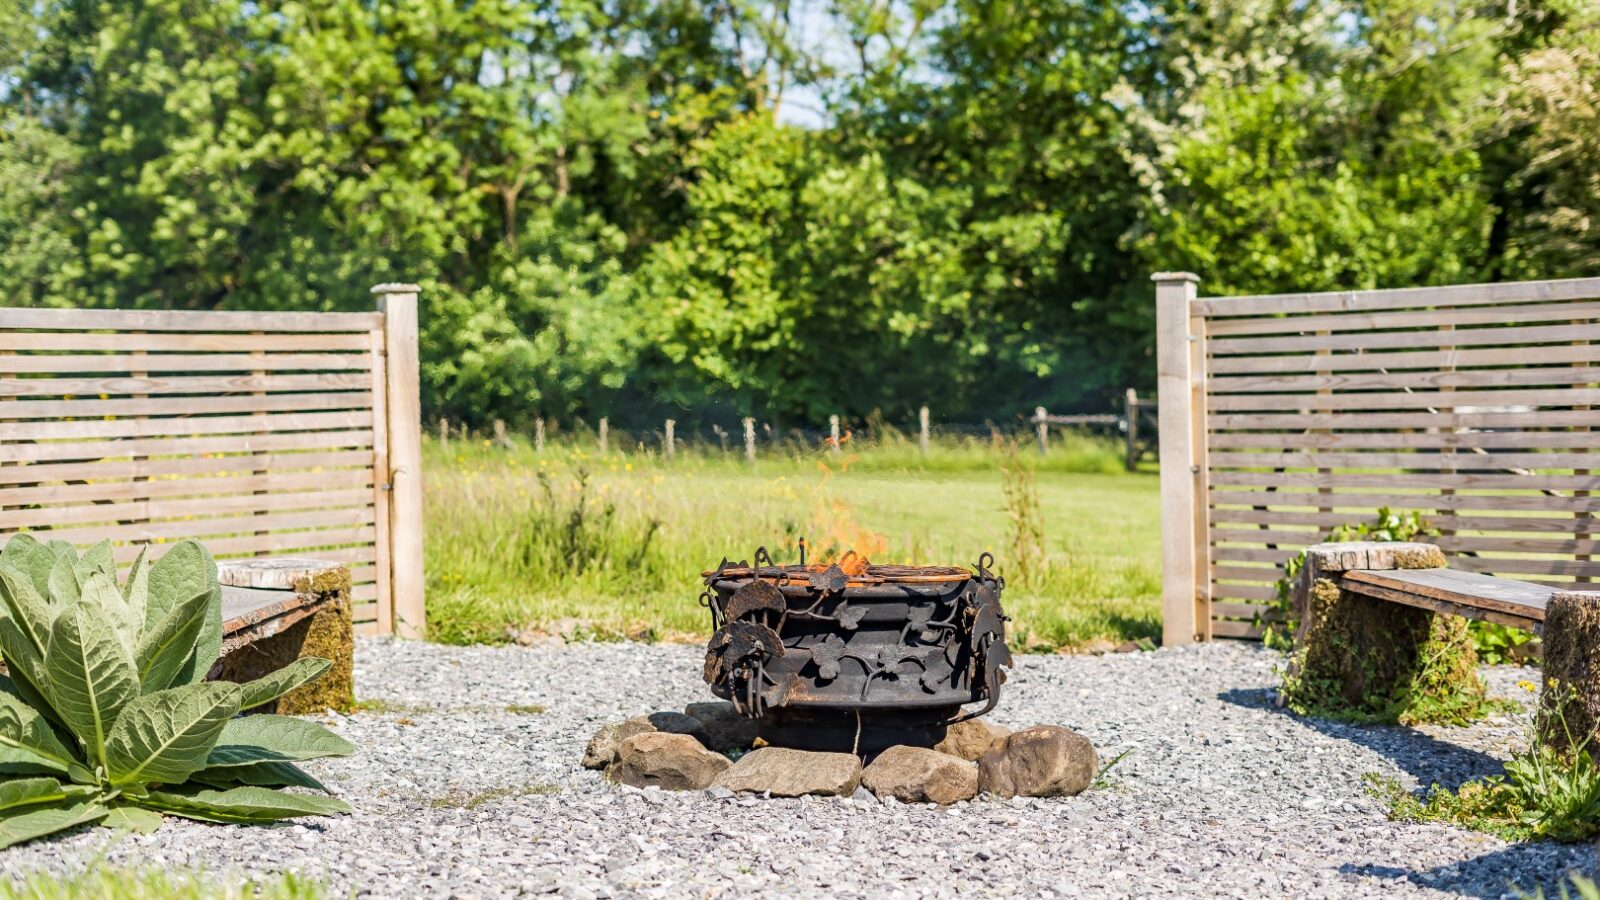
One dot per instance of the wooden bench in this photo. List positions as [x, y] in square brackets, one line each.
[276, 610]
[1361, 603]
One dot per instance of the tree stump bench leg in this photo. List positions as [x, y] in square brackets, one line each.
[1569, 701]
[326, 633]
[1363, 659]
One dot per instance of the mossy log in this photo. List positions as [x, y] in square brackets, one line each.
[1362, 659]
[1569, 702]
[327, 633]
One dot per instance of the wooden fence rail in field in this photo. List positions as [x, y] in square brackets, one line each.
[1282, 416]
[257, 433]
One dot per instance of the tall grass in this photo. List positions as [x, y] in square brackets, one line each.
[102, 883]
[612, 545]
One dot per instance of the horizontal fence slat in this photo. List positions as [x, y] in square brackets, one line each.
[1364, 504]
[1448, 462]
[1512, 567]
[201, 528]
[1229, 520]
[183, 362]
[215, 384]
[241, 443]
[157, 468]
[1563, 546]
[1305, 363]
[1235, 629]
[125, 342]
[186, 425]
[1402, 298]
[183, 406]
[1260, 593]
[314, 544]
[1268, 574]
[1395, 401]
[62, 495]
[186, 320]
[1563, 311]
[1401, 440]
[1368, 421]
[1246, 554]
[364, 593]
[1470, 378]
[195, 509]
[1396, 340]
[1459, 480]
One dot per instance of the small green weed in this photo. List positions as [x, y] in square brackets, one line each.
[475, 799]
[1582, 889]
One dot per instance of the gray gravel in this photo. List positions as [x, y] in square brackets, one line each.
[1221, 795]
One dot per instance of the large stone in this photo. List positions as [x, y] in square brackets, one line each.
[1569, 703]
[969, 739]
[725, 729]
[1042, 761]
[791, 773]
[920, 775]
[676, 762]
[607, 741]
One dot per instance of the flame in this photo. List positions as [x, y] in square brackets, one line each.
[854, 543]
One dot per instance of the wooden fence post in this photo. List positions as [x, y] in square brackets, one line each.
[672, 442]
[444, 432]
[605, 427]
[500, 435]
[1043, 427]
[833, 433]
[922, 429]
[1130, 414]
[403, 418]
[538, 435]
[750, 439]
[1180, 382]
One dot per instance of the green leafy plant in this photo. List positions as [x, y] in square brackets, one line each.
[105, 713]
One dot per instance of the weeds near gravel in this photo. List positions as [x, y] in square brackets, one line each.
[475, 799]
[1582, 889]
[1100, 780]
[155, 884]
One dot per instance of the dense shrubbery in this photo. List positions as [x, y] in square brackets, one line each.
[609, 217]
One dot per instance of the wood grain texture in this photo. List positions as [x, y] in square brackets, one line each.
[404, 417]
[184, 407]
[1403, 298]
[1431, 318]
[184, 320]
[67, 388]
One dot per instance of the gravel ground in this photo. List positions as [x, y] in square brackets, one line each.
[461, 790]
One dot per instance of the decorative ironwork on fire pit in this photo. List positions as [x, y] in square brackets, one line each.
[859, 660]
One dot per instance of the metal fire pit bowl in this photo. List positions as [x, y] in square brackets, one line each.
[855, 663]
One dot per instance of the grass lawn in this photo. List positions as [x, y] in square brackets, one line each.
[595, 546]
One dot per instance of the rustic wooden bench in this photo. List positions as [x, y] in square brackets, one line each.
[276, 610]
[1373, 599]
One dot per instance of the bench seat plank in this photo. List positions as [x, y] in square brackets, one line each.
[1470, 594]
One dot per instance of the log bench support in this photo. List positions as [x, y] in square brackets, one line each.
[1388, 620]
[276, 611]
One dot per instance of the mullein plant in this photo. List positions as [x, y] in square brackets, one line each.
[105, 713]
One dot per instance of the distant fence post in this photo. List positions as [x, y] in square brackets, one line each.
[444, 432]
[1042, 425]
[750, 439]
[1130, 414]
[605, 427]
[538, 435]
[500, 436]
[403, 420]
[1180, 343]
[672, 442]
[833, 433]
[922, 429]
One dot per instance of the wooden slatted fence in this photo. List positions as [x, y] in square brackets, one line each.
[282, 434]
[1283, 416]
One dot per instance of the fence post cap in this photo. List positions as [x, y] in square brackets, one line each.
[395, 287]
[1175, 276]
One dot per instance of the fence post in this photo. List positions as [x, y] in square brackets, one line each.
[403, 417]
[538, 435]
[1130, 415]
[833, 433]
[500, 435]
[1043, 427]
[444, 432]
[922, 429]
[750, 439]
[1180, 373]
[672, 441]
[605, 427]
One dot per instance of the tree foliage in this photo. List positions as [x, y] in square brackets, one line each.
[625, 207]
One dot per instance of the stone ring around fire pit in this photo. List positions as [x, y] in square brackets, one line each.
[858, 661]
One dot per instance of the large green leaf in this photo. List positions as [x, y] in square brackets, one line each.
[90, 676]
[34, 823]
[136, 590]
[101, 590]
[26, 738]
[265, 738]
[183, 571]
[63, 583]
[166, 736]
[30, 558]
[272, 686]
[26, 667]
[244, 804]
[23, 792]
[22, 602]
[169, 645]
[98, 558]
[134, 819]
[18, 550]
[262, 774]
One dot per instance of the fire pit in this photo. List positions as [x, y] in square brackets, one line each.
[855, 657]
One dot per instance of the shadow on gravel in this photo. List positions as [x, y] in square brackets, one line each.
[1509, 872]
[1422, 756]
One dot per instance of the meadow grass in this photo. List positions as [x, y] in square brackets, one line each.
[155, 884]
[598, 546]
